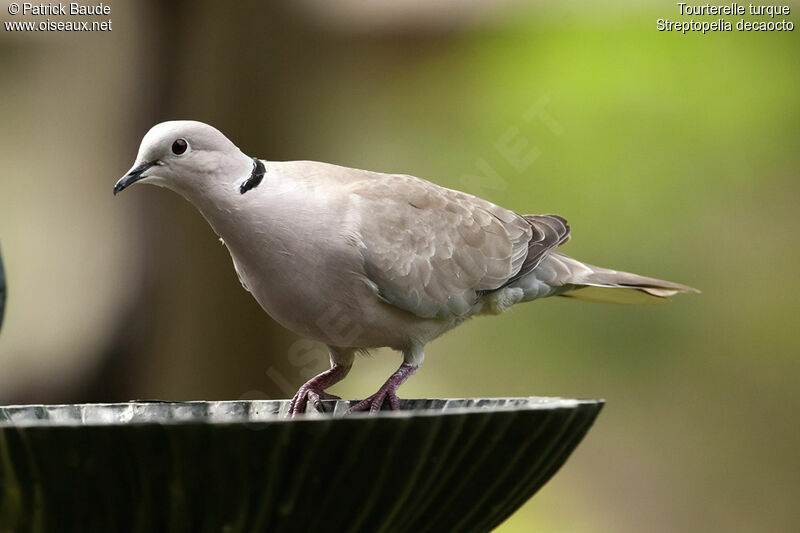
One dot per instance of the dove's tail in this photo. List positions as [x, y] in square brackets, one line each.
[574, 279]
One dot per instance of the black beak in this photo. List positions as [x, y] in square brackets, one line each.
[132, 177]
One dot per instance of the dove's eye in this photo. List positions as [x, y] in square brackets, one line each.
[179, 146]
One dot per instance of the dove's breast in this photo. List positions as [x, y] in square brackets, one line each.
[295, 249]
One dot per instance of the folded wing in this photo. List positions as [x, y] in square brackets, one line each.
[433, 251]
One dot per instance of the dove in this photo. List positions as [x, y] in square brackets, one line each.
[360, 260]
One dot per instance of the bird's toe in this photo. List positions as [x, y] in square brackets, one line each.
[307, 395]
[298, 404]
[374, 403]
[394, 401]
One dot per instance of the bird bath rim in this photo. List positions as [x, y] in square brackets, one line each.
[255, 412]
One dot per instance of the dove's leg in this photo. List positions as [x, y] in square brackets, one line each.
[412, 359]
[314, 389]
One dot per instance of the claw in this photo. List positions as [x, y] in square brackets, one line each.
[314, 389]
[388, 391]
[376, 401]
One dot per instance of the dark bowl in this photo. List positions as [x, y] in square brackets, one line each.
[436, 465]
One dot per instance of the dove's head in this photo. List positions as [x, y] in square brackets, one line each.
[190, 158]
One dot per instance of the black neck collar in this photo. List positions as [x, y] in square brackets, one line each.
[255, 176]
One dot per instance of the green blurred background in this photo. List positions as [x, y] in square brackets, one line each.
[671, 156]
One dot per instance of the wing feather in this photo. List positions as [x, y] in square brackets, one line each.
[431, 250]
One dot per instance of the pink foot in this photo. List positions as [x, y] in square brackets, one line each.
[314, 389]
[388, 391]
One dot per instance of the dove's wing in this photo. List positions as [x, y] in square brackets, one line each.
[432, 251]
[549, 231]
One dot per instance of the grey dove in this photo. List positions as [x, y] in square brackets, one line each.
[395, 259]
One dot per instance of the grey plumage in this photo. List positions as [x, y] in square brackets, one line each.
[583, 281]
[549, 231]
[442, 253]
[431, 250]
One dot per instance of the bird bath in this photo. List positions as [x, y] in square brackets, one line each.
[436, 465]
